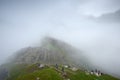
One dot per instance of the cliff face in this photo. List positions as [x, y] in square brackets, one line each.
[51, 51]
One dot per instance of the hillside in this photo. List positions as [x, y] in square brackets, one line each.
[33, 72]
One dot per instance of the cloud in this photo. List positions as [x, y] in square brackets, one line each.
[99, 7]
[110, 17]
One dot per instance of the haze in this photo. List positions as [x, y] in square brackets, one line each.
[93, 26]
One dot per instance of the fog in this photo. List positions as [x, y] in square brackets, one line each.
[77, 22]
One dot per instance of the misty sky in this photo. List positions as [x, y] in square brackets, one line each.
[24, 23]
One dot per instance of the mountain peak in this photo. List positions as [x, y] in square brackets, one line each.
[51, 51]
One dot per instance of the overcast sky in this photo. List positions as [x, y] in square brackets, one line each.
[24, 22]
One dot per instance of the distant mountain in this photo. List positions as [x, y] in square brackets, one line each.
[108, 17]
[51, 51]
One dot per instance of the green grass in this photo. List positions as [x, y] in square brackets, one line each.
[45, 74]
[82, 76]
[15, 71]
[31, 72]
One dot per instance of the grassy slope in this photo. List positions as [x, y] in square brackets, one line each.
[19, 72]
[50, 73]
[82, 75]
